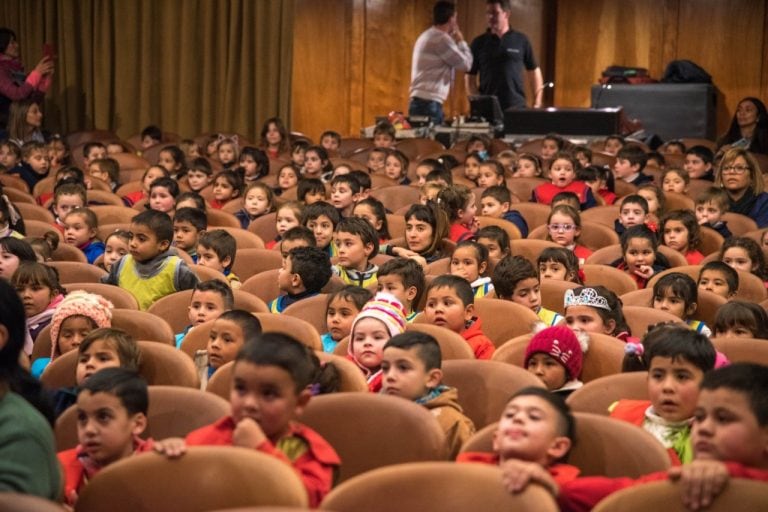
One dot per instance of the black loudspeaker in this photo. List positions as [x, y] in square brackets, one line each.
[670, 110]
[564, 121]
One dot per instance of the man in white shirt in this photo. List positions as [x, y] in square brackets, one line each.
[438, 52]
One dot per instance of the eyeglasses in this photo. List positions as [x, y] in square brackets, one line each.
[735, 169]
[561, 227]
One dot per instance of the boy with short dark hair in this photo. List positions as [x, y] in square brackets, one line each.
[330, 140]
[403, 278]
[209, 300]
[305, 271]
[93, 151]
[633, 211]
[151, 270]
[698, 163]
[411, 370]
[495, 202]
[322, 218]
[516, 279]
[719, 278]
[356, 242]
[34, 165]
[106, 170]
[630, 162]
[566, 198]
[451, 304]
[364, 179]
[376, 160]
[310, 190]
[217, 249]
[150, 136]
[188, 225]
[384, 135]
[442, 176]
[345, 192]
[66, 197]
[112, 408]
[296, 237]
[710, 205]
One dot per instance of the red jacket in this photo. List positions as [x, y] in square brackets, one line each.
[581, 253]
[134, 197]
[582, 494]
[545, 192]
[481, 345]
[458, 232]
[75, 476]
[694, 257]
[316, 466]
[561, 473]
[608, 196]
[633, 411]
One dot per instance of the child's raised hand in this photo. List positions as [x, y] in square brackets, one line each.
[517, 474]
[644, 271]
[173, 447]
[248, 434]
[701, 481]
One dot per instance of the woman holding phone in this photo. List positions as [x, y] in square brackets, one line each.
[15, 85]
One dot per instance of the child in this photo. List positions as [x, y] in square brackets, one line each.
[528, 166]
[174, 161]
[316, 163]
[257, 201]
[209, 300]
[381, 319]
[677, 360]
[342, 308]
[162, 195]
[199, 174]
[491, 174]
[39, 289]
[681, 232]
[630, 162]
[229, 332]
[66, 197]
[384, 135]
[287, 178]
[471, 166]
[112, 411]
[150, 271]
[152, 173]
[322, 218]
[411, 370]
[564, 228]
[190, 148]
[254, 164]
[675, 180]
[280, 363]
[516, 279]
[600, 181]
[288, 216]
[654, 196]
[470, 262]
[330, 140]
[698, 163]
[459, 205]
[106, 170]
[584, 155]
[496, 240]
[305, 271]
[711, 204]
[298, 152]
[595, 309]
[451, 304]
[227, 185]
[115, 247]
[44, 245]
[296, 237]
[13, 252]
[742, 253]
[228, 152]
[560, 264]
[633, 211]
[34, 164]
[718, 278]
[188, 225]
[674, 147]
[535, 433]
[555, 356]
[345, 192]
[217, 249]
[551, 144]
[639, 258]
[430, 191]
[738, 319]
[274, 138]
[76, 315]
[80, 226]
[566, 199]
[495, 202]
[10, 154]
[404, 279]
[311, 190]
[372, 210]
[357, 242]
[562, 173]
[613, 144]
[396, 167]
[376, 160]
[93, 150]
[676, 293]
[150, 136]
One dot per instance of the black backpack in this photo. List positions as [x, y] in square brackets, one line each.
[685, 72]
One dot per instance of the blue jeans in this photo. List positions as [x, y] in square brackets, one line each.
[431, 108]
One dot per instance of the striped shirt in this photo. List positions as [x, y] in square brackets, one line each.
[435, 56]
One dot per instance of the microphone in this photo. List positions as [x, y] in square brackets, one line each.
[546, 85]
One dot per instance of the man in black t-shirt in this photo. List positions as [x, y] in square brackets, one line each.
[502, 56]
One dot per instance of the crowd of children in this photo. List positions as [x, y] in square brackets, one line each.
[456, 247]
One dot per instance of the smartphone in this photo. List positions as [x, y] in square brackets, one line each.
[49, 50]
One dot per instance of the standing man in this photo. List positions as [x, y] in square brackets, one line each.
[438, 51]
[500, 56]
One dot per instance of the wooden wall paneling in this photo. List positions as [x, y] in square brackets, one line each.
[356, 64]
[726, 38]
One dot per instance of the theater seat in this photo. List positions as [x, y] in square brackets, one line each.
[597, 395]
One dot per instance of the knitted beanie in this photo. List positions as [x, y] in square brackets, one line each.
[386, 308]
[560, 343]
[80, 303]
